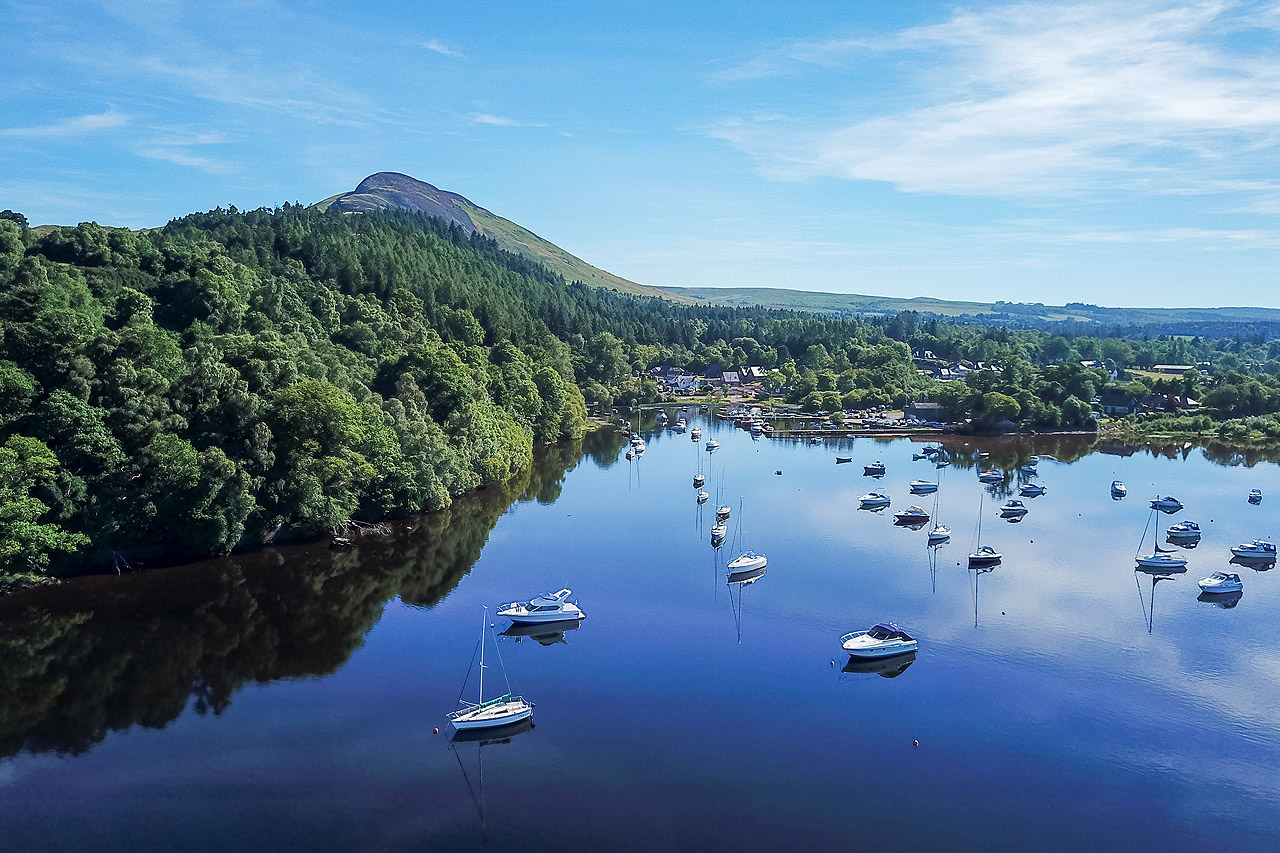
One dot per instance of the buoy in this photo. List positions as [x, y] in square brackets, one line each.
[915, 743]
[1001, 612]
[435, 731]
[833, 663]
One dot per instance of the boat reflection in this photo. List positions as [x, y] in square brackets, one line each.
[741, 580]
[1225, 600]
[482, 738]
[490, 737]
[883, 667]
[974, 575]
[1156, 575]
[909, 525]
[545, 633]
[1258, 564]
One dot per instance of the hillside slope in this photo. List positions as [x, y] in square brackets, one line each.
[1190, 321]
[386, 190]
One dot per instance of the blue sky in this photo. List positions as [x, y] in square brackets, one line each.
[1123, 153]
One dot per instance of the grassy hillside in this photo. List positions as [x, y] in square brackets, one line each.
[1190, 321]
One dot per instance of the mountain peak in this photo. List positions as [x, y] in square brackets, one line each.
[397, 191]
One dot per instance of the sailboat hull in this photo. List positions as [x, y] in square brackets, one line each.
[491, 715]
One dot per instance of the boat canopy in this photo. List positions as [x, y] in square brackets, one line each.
[888, 631]
[550, 599]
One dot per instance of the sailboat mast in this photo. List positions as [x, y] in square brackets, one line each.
[483, 621]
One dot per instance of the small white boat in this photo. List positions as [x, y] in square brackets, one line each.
[875, 469]
[501, 711]
[1184, 530]
[990, 477]
[881, 641]
[1220, 582]
[984, 556]
[695, 434]
[1167, 504]
[636, 441]
[1013, 507]
[1258, 549]
[548, 607]
[911, 515]
[939, 534]
[699, 481]
[1161, 560]
[662, 416]
[923, 487]
[874, 499]
[713, 446]
[722, 513]
[748, 562]
[703, 497]
[1032, 490]
[1117, 489]
[1255, 496]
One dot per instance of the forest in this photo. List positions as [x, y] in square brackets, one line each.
[237, 378]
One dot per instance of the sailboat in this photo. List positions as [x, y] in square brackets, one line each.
[749, 560]
[940, 532]
[983, 555]
[699, 479]
[741, 580]
[500, 711]
[1163, 559]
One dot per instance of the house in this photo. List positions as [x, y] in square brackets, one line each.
[1172, 369]
[1092, 364]
[754, 373]
[713, 372]
[730, 379]
[684, 384]
[1117, 403]
[1168, 403]
[924, 411]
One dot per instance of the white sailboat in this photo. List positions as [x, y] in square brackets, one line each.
[501, 710]
[1162, 559]
[940, 532]
[748, 560]
[983, 555]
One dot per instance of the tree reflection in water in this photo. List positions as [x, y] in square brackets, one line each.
[105, 653]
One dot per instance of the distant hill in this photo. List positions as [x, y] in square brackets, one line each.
[394, 190]
[1216, 322]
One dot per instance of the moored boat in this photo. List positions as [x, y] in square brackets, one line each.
[1167, 504]
[1032, 490]
[1013, 507]
[493, 713]
[880, 641]
[990, 477]
[1258, 549]
[923, 487]
[911, 515]
[1118, 489]
[1183, 530]
[875, 469]
[548, 607]
[1161, 560]
[1222, 582]
[984, 556]
[874, 499]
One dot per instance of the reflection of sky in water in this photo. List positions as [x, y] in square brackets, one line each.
[1058, 721]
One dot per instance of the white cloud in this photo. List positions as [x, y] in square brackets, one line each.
[441, 48]
[496, 121]
[183, 157]
[1043, 99]
[74, 126]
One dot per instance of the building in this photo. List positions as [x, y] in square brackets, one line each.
[730, 379]
[1172, 369]
[1116, 403]
[924, 411]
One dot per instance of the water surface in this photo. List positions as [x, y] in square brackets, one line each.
[287, 698]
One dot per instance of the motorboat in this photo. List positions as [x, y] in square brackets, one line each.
[1029, 470]
[1167, 504]
[874, 499]
[939, 534]
[492, 713]
[1255, 496]
[636, 441]
[880, 641]
[840, 460]
[1183, 530]
[1162, 561]
[875, 469]
[1013, 507]
[931, 450]
[548, 607]
[1258, 549]
[695, 434]
[722, 513]
[699, 481]
[662, 416]
[703, 497]
[1032, 490]
[1222, 582]
[1117, 489]
[984, 556]
[890, 667]
[916, 457]
[923, 487]
[713, 446]
[990, 477]
[749, 561]
[911, 515]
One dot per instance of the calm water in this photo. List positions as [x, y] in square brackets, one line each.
[286, 699]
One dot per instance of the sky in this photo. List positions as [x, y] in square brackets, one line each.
[1119, 153]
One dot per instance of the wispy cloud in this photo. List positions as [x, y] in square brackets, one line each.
[1042, 99]
[73, 126]
[442, 49]
[502, 121]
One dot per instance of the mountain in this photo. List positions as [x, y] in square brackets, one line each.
[385, 190]
[1076, 316]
